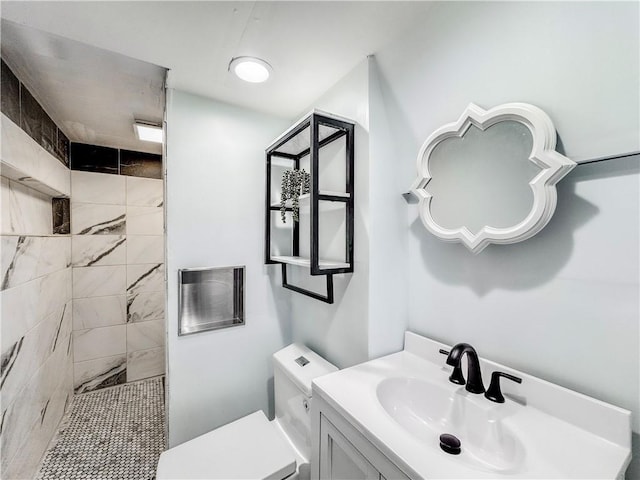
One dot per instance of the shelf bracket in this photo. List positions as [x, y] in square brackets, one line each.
[328, 298]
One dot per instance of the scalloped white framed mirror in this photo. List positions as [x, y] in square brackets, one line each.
[490, 176]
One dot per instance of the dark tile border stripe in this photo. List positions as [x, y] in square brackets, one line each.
[20, 106]
[10, 95]
[93, 158]
[139, 164]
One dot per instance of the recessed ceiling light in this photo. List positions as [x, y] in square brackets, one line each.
[148, 132]
[250, 69]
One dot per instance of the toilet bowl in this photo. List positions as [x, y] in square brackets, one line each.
[254, 447]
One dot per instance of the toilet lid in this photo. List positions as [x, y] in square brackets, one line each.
[249, 448]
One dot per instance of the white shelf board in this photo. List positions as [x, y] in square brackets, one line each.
[335, 194]
[324, 204]
[306, 262]
[17, 175]
[25, 161]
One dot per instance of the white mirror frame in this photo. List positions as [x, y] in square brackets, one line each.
[553, 165]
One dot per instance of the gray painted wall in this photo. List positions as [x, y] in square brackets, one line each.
[339, 331]
[215, 199]
[563, 305]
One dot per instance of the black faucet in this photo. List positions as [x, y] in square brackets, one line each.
[494, 393]
[474, 377]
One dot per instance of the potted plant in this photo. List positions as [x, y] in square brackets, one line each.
[294, 183]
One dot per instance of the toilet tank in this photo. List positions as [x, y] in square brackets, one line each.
[294, 367]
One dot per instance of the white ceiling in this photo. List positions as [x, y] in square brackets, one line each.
[309, 44]
[92, 94]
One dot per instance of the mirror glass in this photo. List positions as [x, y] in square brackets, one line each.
[482, 178]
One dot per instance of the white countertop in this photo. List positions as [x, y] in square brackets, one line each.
[560, 433]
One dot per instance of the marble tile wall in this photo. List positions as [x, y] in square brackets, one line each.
[117, 254]
[24, 210]
[77, 290]
[36, 376]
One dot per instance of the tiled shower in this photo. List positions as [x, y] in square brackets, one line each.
[82, 273]
[37, 368]
[37, 357]
[117, 247]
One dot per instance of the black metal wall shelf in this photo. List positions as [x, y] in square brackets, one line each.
[304, 143]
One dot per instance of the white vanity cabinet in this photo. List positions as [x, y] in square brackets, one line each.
[341, 452]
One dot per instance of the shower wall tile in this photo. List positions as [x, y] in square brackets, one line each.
[145, 363]
[144, 192]
[32, 351]
[119, 284]
[37, 124]
[4, 196]
[27, 459]
[31, 115]
[32, 418]
[145, 278]
[55, 255]
[95, 219]
[96, 250]
[145, 221]
[145, 335]
[145, 249]
[99, 312]
[100, 373]
[91, 187]
[113, 161]
[25, 305]
[19, 308]
[24, 358]
[140, 164]
[99, 281]
[24, 258]
[24, 210]
[49, 137]
[37, 367]
[5, 213]
[55, 291]
[61, 209]
[62, 148]
[10, 94]
[19, 259]
[99, 342]
[19, 418]
[93, 158]
[145, 306]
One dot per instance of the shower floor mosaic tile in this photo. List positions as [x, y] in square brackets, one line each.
[114, 433]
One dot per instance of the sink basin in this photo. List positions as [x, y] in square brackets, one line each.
[428, 409]
[403, 402]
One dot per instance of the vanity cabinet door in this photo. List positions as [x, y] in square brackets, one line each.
[339, 459]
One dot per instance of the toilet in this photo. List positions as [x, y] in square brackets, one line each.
[254, 447]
